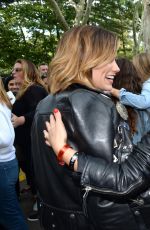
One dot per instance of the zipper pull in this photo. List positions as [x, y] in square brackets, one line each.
[87, 189]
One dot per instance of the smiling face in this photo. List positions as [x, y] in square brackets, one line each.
[103, 75]
[13, 86]
[17, 73]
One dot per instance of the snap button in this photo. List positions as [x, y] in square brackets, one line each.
[137, 213]
[53, 225]
[52, 214]
[72, 216]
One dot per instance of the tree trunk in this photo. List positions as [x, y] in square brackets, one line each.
[58, 13]
[146, 25]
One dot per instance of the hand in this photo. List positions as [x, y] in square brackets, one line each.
[17, 121]
[55, 135]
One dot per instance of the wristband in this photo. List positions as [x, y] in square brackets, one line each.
[72, 161]
[61, 153]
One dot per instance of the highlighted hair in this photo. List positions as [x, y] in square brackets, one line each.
[79, 50]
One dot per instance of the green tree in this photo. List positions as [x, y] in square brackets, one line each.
[31, 29]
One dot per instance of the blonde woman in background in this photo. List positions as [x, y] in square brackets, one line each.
[31, 91]
[11, 217]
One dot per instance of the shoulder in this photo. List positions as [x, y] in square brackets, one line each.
[36, 87]
[146, 83]
[90, 98]
[80, 99]
[46, 104]
[36, 90]
[4, 108]
[5, 111]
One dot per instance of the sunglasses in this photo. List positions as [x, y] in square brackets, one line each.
[17, 70]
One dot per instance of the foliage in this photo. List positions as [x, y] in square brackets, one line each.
[28, 30]
[31, 29]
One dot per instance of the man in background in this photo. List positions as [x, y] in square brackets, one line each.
[43, 69]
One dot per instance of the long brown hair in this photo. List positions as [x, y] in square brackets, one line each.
[80, 49]
[3, 95]
[31, 76]
[129, 79]
[142, 65]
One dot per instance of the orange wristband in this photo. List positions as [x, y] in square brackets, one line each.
[61, 153]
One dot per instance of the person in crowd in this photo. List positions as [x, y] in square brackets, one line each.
[11, 216]
[12, 85]
[82, 180]
[43, 70]
[12, 88]
[129, 79]
[32, 90]
[138, 100]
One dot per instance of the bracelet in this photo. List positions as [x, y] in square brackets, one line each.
[61, 153]
[72, 161]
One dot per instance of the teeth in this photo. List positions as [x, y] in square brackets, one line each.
[111, 77]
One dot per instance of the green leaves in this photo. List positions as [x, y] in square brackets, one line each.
[31, 29]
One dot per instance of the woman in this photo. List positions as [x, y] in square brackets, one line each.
[128, 79]
[138, 100]
[11, 217]
[31, 92]
[77, 82]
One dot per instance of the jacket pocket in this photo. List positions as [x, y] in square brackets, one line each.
[54, 218]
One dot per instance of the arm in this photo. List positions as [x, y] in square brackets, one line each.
[5, 133]
[119, 180]
[115, 179]
[141, 101]
[32, 97]
[115, 92]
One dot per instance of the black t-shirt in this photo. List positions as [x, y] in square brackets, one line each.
[26, 106]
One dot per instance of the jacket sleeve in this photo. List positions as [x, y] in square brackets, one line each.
[138, 101]
[119, 180]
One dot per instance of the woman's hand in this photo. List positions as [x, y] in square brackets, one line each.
[17, 121]
[55, 135]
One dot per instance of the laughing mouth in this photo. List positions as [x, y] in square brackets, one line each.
[110, 77]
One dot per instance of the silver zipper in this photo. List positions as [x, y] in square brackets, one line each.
[98, 190]
[87, 189]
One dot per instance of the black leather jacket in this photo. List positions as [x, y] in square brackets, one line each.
[91, 121]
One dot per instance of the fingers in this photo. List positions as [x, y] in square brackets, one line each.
[54, 123]
[51, 124]
[58, 118]
[47, 143]
[57, 114]
[46, 136]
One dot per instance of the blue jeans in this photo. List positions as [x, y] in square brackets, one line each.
[11, 216]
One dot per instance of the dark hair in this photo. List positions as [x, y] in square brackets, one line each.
[6, 81]
[42, 64]
[129, 79]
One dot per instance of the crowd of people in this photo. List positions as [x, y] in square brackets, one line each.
[80, 131]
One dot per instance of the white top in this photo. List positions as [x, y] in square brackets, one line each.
[11, 97]
[7, 135]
